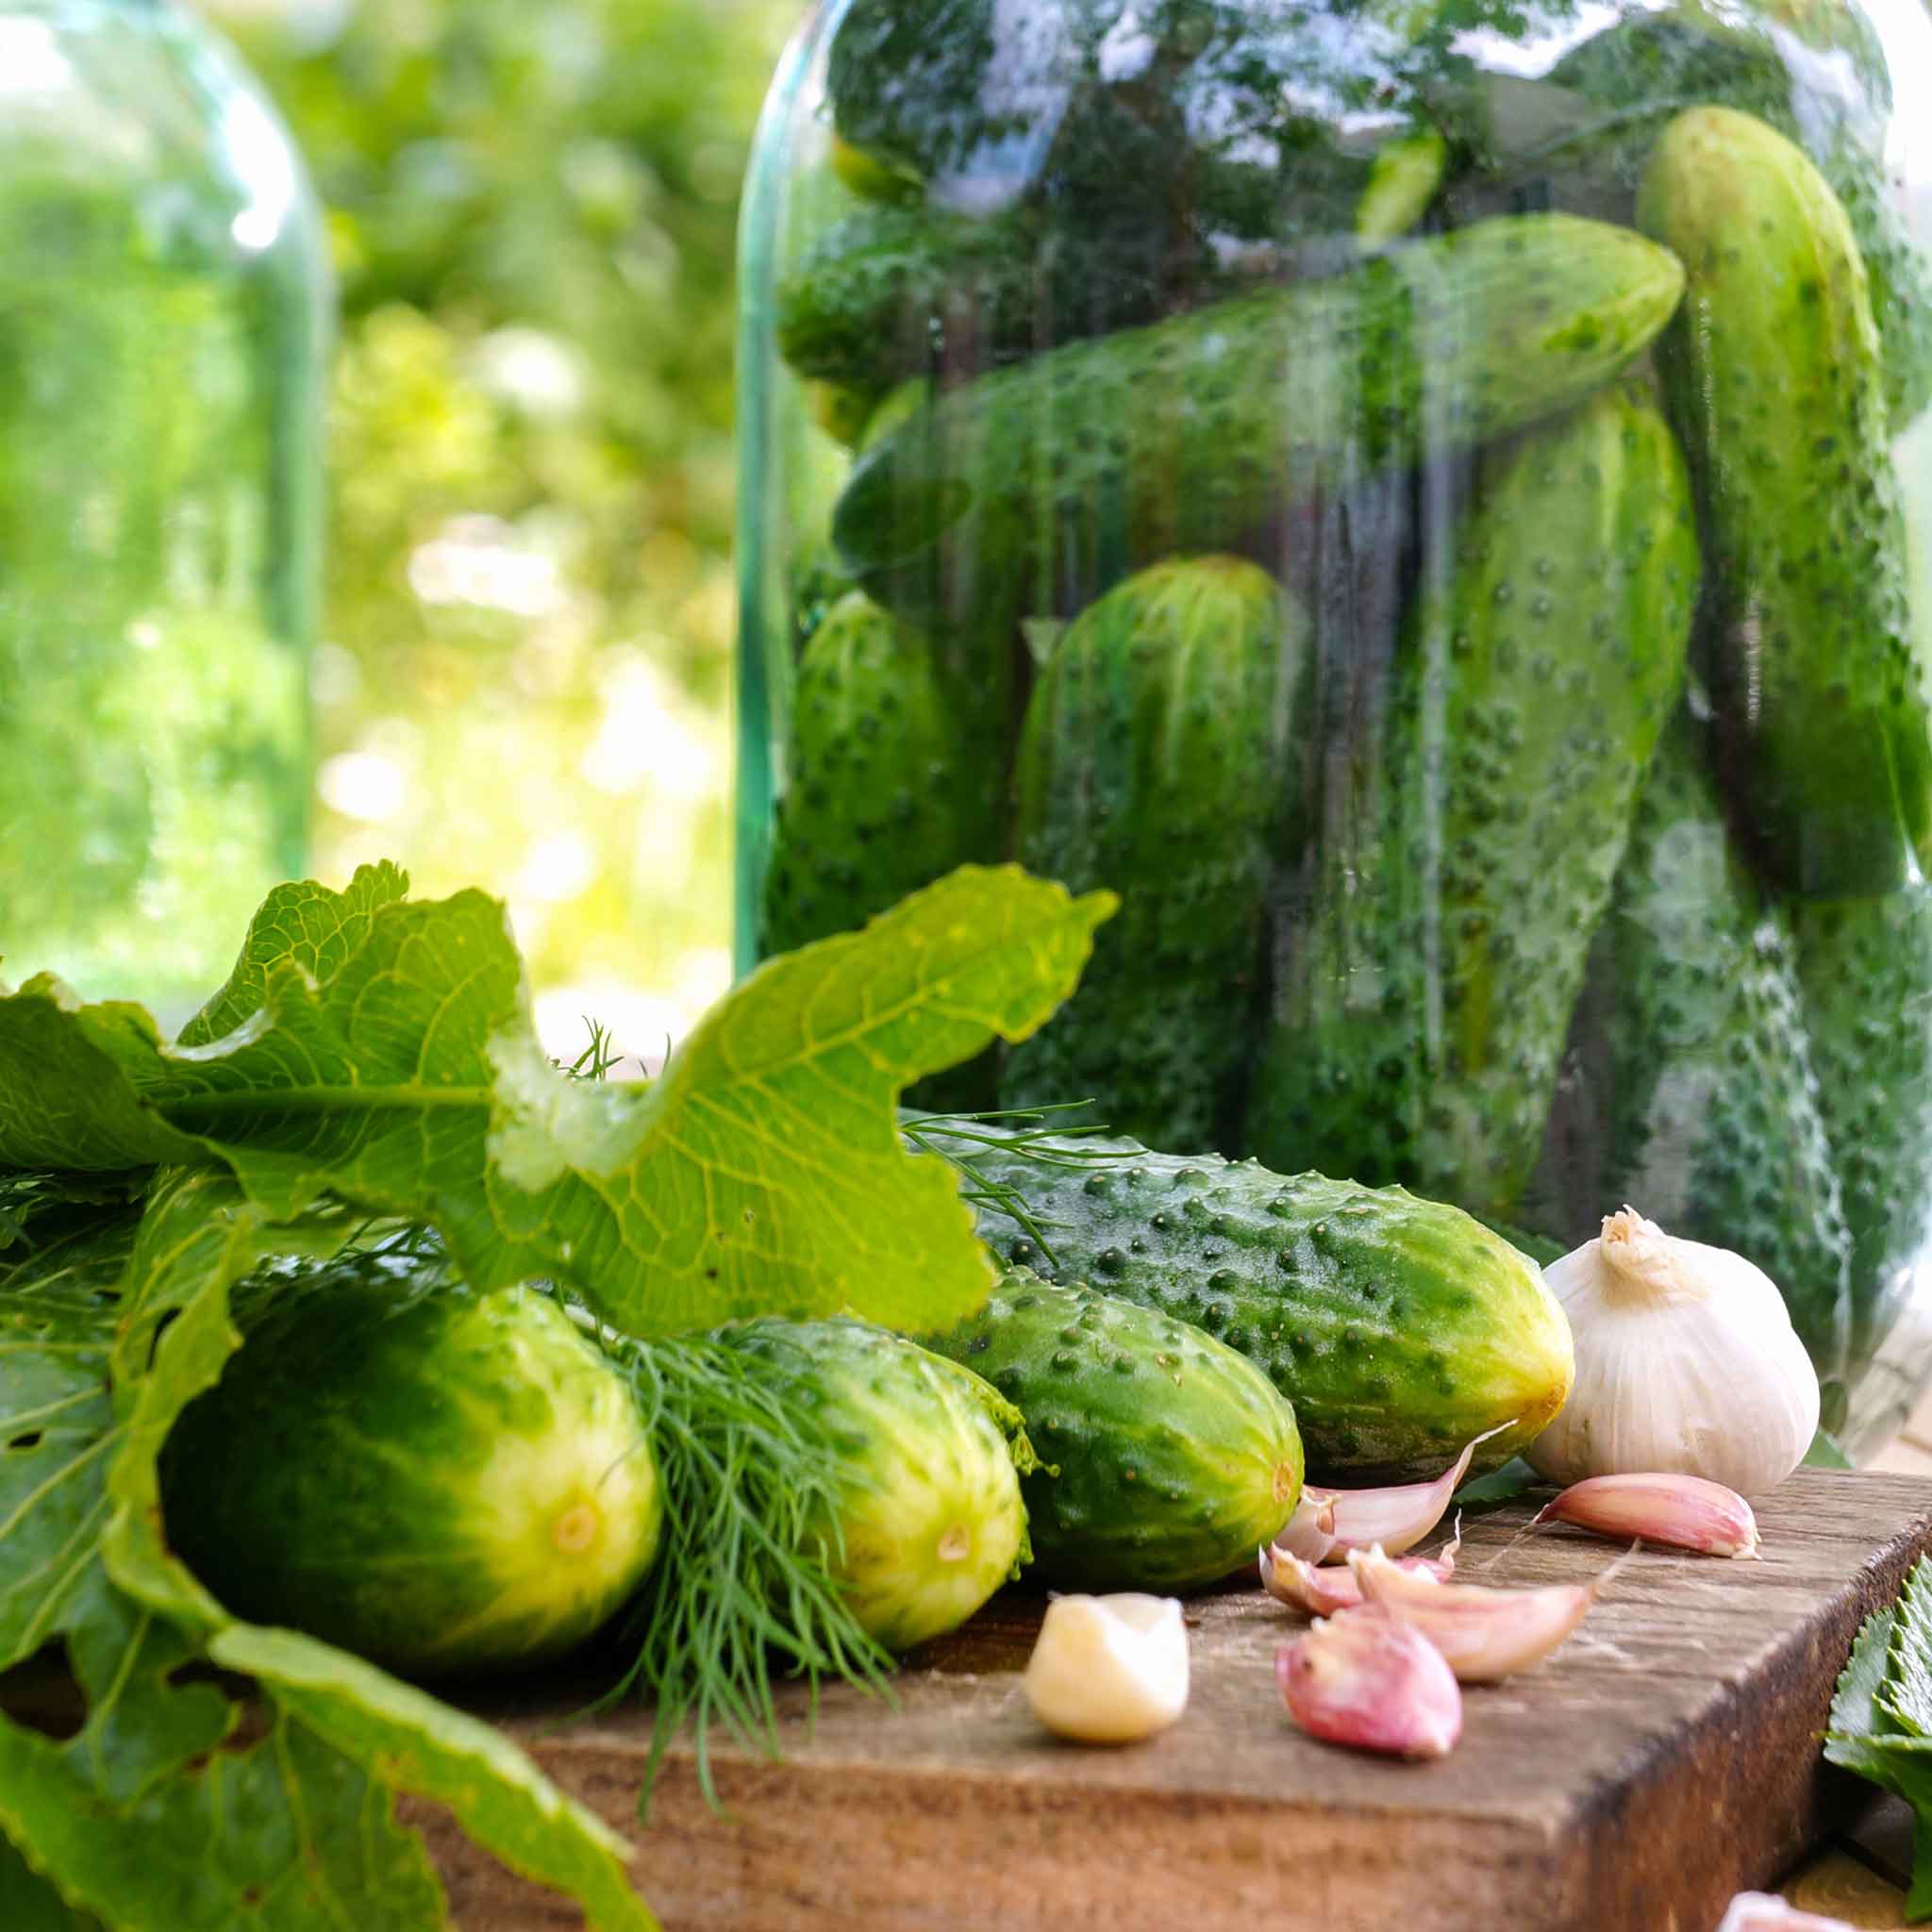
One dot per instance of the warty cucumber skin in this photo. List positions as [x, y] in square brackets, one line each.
[1776, 390]
[1169, 1457]
[1865, 968]
[889, 786]
[1156, 759]
[1423, 1004]
[1695, 1056]
[1398, 1328]
[1060, 475]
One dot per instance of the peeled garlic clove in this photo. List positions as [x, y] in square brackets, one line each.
[1110, 1669]
[1397, 1518]
[1361, 1677]
[1685, 1511]
[1485, 1635]
[1760, 1911]
[1309, 1533]
[1303, 1585]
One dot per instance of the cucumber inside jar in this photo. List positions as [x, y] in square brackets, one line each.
[1432, 318]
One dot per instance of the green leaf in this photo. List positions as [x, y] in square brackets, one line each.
[1905, 1697]
[1515, 1479]
[497, 1795]
[302, 924]
[1854, 1713]
[28, 1903]
[763, 1173]
[1826, 1453]
[288, 1835]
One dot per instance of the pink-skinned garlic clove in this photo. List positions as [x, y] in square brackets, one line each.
[1397, 1518]
[1364, 1678]
[1685, 1512]
[1324, 1590]
[1484, 1635]
[1309, 1533]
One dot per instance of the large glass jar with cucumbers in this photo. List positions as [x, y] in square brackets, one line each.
[1432, 505]
[162, 312]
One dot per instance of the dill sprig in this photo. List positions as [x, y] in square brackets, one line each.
[598, 1056]
[742, 1587]
[1034, 1137]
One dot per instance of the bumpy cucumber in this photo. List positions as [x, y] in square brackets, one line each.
[1156, 760]
[1694, 1064]
[1169, 1458]
[1421, 1018]
[1399, 1328]
[1640, 72]
[889, 786]
[1866, 971]
[1776, 390]
[1059, 475]
[927, 1520]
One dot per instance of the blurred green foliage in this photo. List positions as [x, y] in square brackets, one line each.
[529, 610]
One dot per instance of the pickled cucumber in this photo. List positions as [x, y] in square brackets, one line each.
[1058, 476]
[1422, 1013]
[1158, 758]
[1776, 390]
[1693, 1065]
[888, 786]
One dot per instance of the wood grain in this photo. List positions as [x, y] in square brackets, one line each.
[1664, 1760]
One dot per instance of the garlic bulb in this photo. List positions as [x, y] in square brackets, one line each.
[1686, 1363]
[1110, 1669]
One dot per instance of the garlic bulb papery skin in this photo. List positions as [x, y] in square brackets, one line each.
[1685, 1363]
[1110, 1669]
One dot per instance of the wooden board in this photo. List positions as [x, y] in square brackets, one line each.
[1665, 1758]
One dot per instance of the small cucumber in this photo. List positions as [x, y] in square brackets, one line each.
[1777, 391]
[928, 1520]
[1866, 970]
[1059, 475]
[1170, 1458]
[1421, 1018]
[1691, 1065]
[1399, 1328]
[1155, 760]
[888, 785]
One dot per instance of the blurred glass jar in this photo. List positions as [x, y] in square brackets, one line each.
[163, 320]
[1433, 504]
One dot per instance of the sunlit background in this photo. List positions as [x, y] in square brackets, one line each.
[523, 677]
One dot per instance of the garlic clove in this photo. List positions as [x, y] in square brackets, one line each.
[1686, 1361]
[1322, 1592]
[1110, 1669]
[1364, 1678]
[1685, 1511]
[1485, 1635]
[1762, 1911]
[1397, 1518]
[1309, 1533]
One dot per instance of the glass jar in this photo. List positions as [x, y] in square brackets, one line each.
[163, 319]
[1433, 504]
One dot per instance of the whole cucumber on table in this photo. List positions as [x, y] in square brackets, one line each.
[891, 781]
[1865, 967]
[1058, 476]
[1693, 1067]
[1399, 1328]
[1776, 388]
[1170, 1458]
[1431, 972]
[1157, 760]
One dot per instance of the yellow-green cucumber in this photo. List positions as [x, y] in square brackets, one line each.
[1169, 1457]
[1778, 390]
[1157, 760]
[1422, 1017]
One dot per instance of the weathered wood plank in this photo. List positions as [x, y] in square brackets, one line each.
[1664, 1760]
